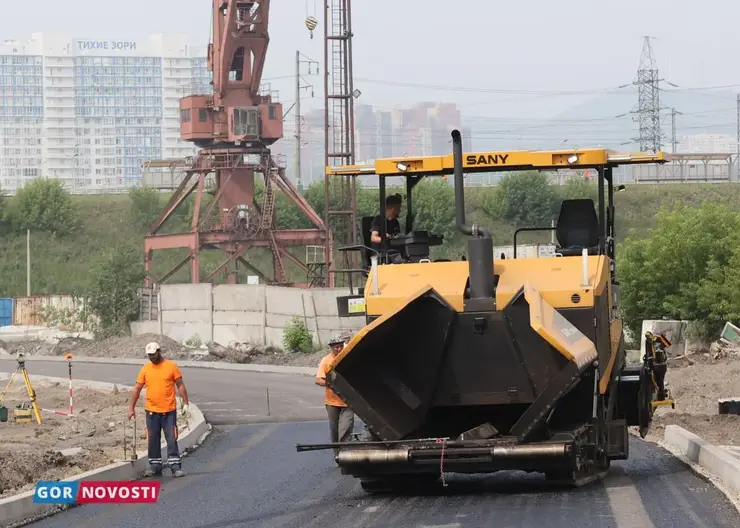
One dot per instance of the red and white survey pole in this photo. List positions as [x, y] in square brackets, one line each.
[69, 364]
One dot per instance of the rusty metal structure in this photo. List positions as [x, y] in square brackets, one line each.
[234, 127]
[340, 192]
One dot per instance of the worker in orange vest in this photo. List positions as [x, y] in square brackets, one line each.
[160, 377]
[341, 417]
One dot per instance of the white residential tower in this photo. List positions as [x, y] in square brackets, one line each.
[89, 112]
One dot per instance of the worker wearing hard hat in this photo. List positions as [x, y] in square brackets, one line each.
[341, 417]
[160, 377]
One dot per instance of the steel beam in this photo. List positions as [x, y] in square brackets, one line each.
[286, 237]
[181, 240]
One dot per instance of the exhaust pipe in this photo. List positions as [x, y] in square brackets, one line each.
[480, 246]
[457, 159]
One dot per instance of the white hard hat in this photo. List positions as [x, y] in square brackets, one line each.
[152, 348]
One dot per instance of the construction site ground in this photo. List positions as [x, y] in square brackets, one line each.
[697, 382]
[30, 452]
[133, 347]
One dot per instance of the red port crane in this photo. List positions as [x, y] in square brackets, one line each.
[234, 126]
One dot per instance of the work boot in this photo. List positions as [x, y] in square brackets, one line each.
[153, 472]
[177, 473]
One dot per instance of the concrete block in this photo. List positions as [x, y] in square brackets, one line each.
[225, 334]
[274, 337]
[238, 318]
[247, 297]
[144, 327]
[714, 459]
[325, 335]
[284, 301]
[308, 304]
[186, 297]
[675, 331]
[184, 331]
[187, 316]
[340, 323]
[325, 300]
[280, 321]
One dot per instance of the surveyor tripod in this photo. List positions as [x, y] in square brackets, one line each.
[31, 393]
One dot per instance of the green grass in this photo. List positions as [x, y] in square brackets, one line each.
[65, 265]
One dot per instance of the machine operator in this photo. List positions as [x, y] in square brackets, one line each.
[392, 226]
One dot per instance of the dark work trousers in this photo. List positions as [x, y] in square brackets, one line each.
[156, 423]
[341, 424]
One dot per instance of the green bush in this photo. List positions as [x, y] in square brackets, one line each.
[114, 295]
[685, 269]
[296, 337]
[525, 199]
[42, 205]
[144, 206]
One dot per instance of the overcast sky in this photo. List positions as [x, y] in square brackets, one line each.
[513, 45]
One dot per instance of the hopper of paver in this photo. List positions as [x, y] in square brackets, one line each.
[390, 371]
[425, 370]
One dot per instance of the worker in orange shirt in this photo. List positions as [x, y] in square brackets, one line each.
[341, 417]
[160, 377]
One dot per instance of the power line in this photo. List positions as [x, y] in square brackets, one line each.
[619, 90]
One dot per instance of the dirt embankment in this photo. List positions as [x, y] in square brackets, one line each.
[696, 383]
[30, 452]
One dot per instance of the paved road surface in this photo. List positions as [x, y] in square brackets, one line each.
[226, 397]
[251, 476]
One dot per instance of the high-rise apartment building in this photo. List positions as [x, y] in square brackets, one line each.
[422, 130]
[89, 112]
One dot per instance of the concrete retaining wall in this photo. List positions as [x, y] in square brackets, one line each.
[245, 313]
[676, 331]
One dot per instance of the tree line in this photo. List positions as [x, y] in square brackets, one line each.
[682, 268]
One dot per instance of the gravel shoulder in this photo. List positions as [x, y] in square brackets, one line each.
[696, 383]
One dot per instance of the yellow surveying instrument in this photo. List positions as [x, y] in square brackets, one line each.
[31, 393]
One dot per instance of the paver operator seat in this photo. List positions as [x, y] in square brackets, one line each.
[577, 228]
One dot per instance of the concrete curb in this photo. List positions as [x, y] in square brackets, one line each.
[713, 459]
[247, 367]
[18, 509]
